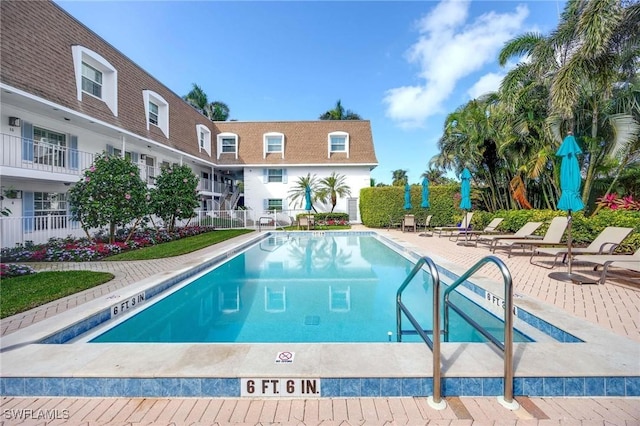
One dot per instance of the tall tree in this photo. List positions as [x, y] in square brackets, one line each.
[215, 111]
[297, 192]
[399, 177]
[219, 111]
[339, 113]
[332, 187]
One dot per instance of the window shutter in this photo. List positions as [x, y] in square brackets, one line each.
[27, 141]
[135, 157]
[265, 204]
[285, 179]
[73, 152]
[27, 211]
[265, 176]
[110, 150]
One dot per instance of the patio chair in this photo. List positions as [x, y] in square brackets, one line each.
[409, 222]
[630, 262]
[605, 243]
[465, 224]
[526, 231]
[489, 229]
[427, 225]
[306, 222]
[553, 236]
[394, 223]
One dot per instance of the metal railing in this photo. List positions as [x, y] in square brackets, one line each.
[507, 347]
[434, 344]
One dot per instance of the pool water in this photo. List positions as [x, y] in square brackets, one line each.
[298, 288]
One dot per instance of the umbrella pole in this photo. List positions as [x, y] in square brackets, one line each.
[569, 220]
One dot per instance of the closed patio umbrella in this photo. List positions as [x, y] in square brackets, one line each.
[307, 200]
[570, 201]
[425, 193]
[465, 199]
[407, 197]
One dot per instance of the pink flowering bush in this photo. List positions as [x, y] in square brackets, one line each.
[9, 271]
[85, 249]
[614, 202]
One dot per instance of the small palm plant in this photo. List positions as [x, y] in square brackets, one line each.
[333, 187]
[298, 191]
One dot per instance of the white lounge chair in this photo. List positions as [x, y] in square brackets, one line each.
[526, 231]
[626, 261]
[605, 243]
[427, 225]
[552, 236]
[465, 224]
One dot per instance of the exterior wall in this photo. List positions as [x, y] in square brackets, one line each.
[256, 191]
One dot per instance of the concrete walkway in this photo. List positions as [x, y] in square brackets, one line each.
[614, 306]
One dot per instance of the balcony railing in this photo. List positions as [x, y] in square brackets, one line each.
[43, 156]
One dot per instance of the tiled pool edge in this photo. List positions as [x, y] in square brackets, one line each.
[330, 387]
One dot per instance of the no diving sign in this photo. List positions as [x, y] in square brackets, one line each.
[285, 357]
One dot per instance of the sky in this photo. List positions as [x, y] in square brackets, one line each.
[403, 65]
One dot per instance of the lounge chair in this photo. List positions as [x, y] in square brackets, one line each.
[605, 243]
[394, 223]
[626, 261]
[427, 225]
[552, 236]
[306, 222]
[489, 229]
[465, 224]
[409, 222]
[526, 231]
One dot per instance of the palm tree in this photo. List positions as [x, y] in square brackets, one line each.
[333, 187]
[339, 113]
[219, 111]
[433, 175]
[215, 111]
[399, 177]
[297, 192]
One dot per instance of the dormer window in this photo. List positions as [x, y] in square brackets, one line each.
[156, 110]
[95, 77]
[204, 138]
[338, 142]
[228, 144]
[273, 143]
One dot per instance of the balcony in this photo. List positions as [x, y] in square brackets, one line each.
[22, 153]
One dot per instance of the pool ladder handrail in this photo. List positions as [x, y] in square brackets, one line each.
[275, 226]
[507, 348]
[434, 344]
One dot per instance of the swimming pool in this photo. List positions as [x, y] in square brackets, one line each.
[298, 288]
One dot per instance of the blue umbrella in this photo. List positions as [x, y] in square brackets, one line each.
[407, 197]
[465, 190]
[307, 198]
[425, 193]
[570, 181]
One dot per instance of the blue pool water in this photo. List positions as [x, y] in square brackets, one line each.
[298, 288]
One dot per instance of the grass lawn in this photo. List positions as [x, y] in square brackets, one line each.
[19, 294]
[181, 246]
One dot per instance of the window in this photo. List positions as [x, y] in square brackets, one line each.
[91, 80]
[153, 113]
[275, 175]
[228, 144]
[204, 138]
[95, 76]
[49, 147]
[338, 142]
[156, 110]
[50, 210]
[273, 143]
[274, 204]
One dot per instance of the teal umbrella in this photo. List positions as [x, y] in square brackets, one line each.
[307, 198]
[570, 200]
[425, 193]
[465, 190]
[407, 197]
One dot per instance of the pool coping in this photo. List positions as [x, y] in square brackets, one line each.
[590, 368]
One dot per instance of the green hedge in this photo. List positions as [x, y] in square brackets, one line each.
[378, 205]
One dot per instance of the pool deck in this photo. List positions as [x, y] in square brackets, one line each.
[607, 316]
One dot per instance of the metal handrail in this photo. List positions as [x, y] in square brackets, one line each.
[507, 347]
[435, 344]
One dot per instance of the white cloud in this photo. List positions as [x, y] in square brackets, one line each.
[450, 47]
[487, 83]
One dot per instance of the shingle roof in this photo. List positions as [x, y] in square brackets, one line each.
[306, 142]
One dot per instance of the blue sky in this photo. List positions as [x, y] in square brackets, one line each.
[404, 65]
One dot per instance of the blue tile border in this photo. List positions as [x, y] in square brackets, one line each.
[330, 387]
